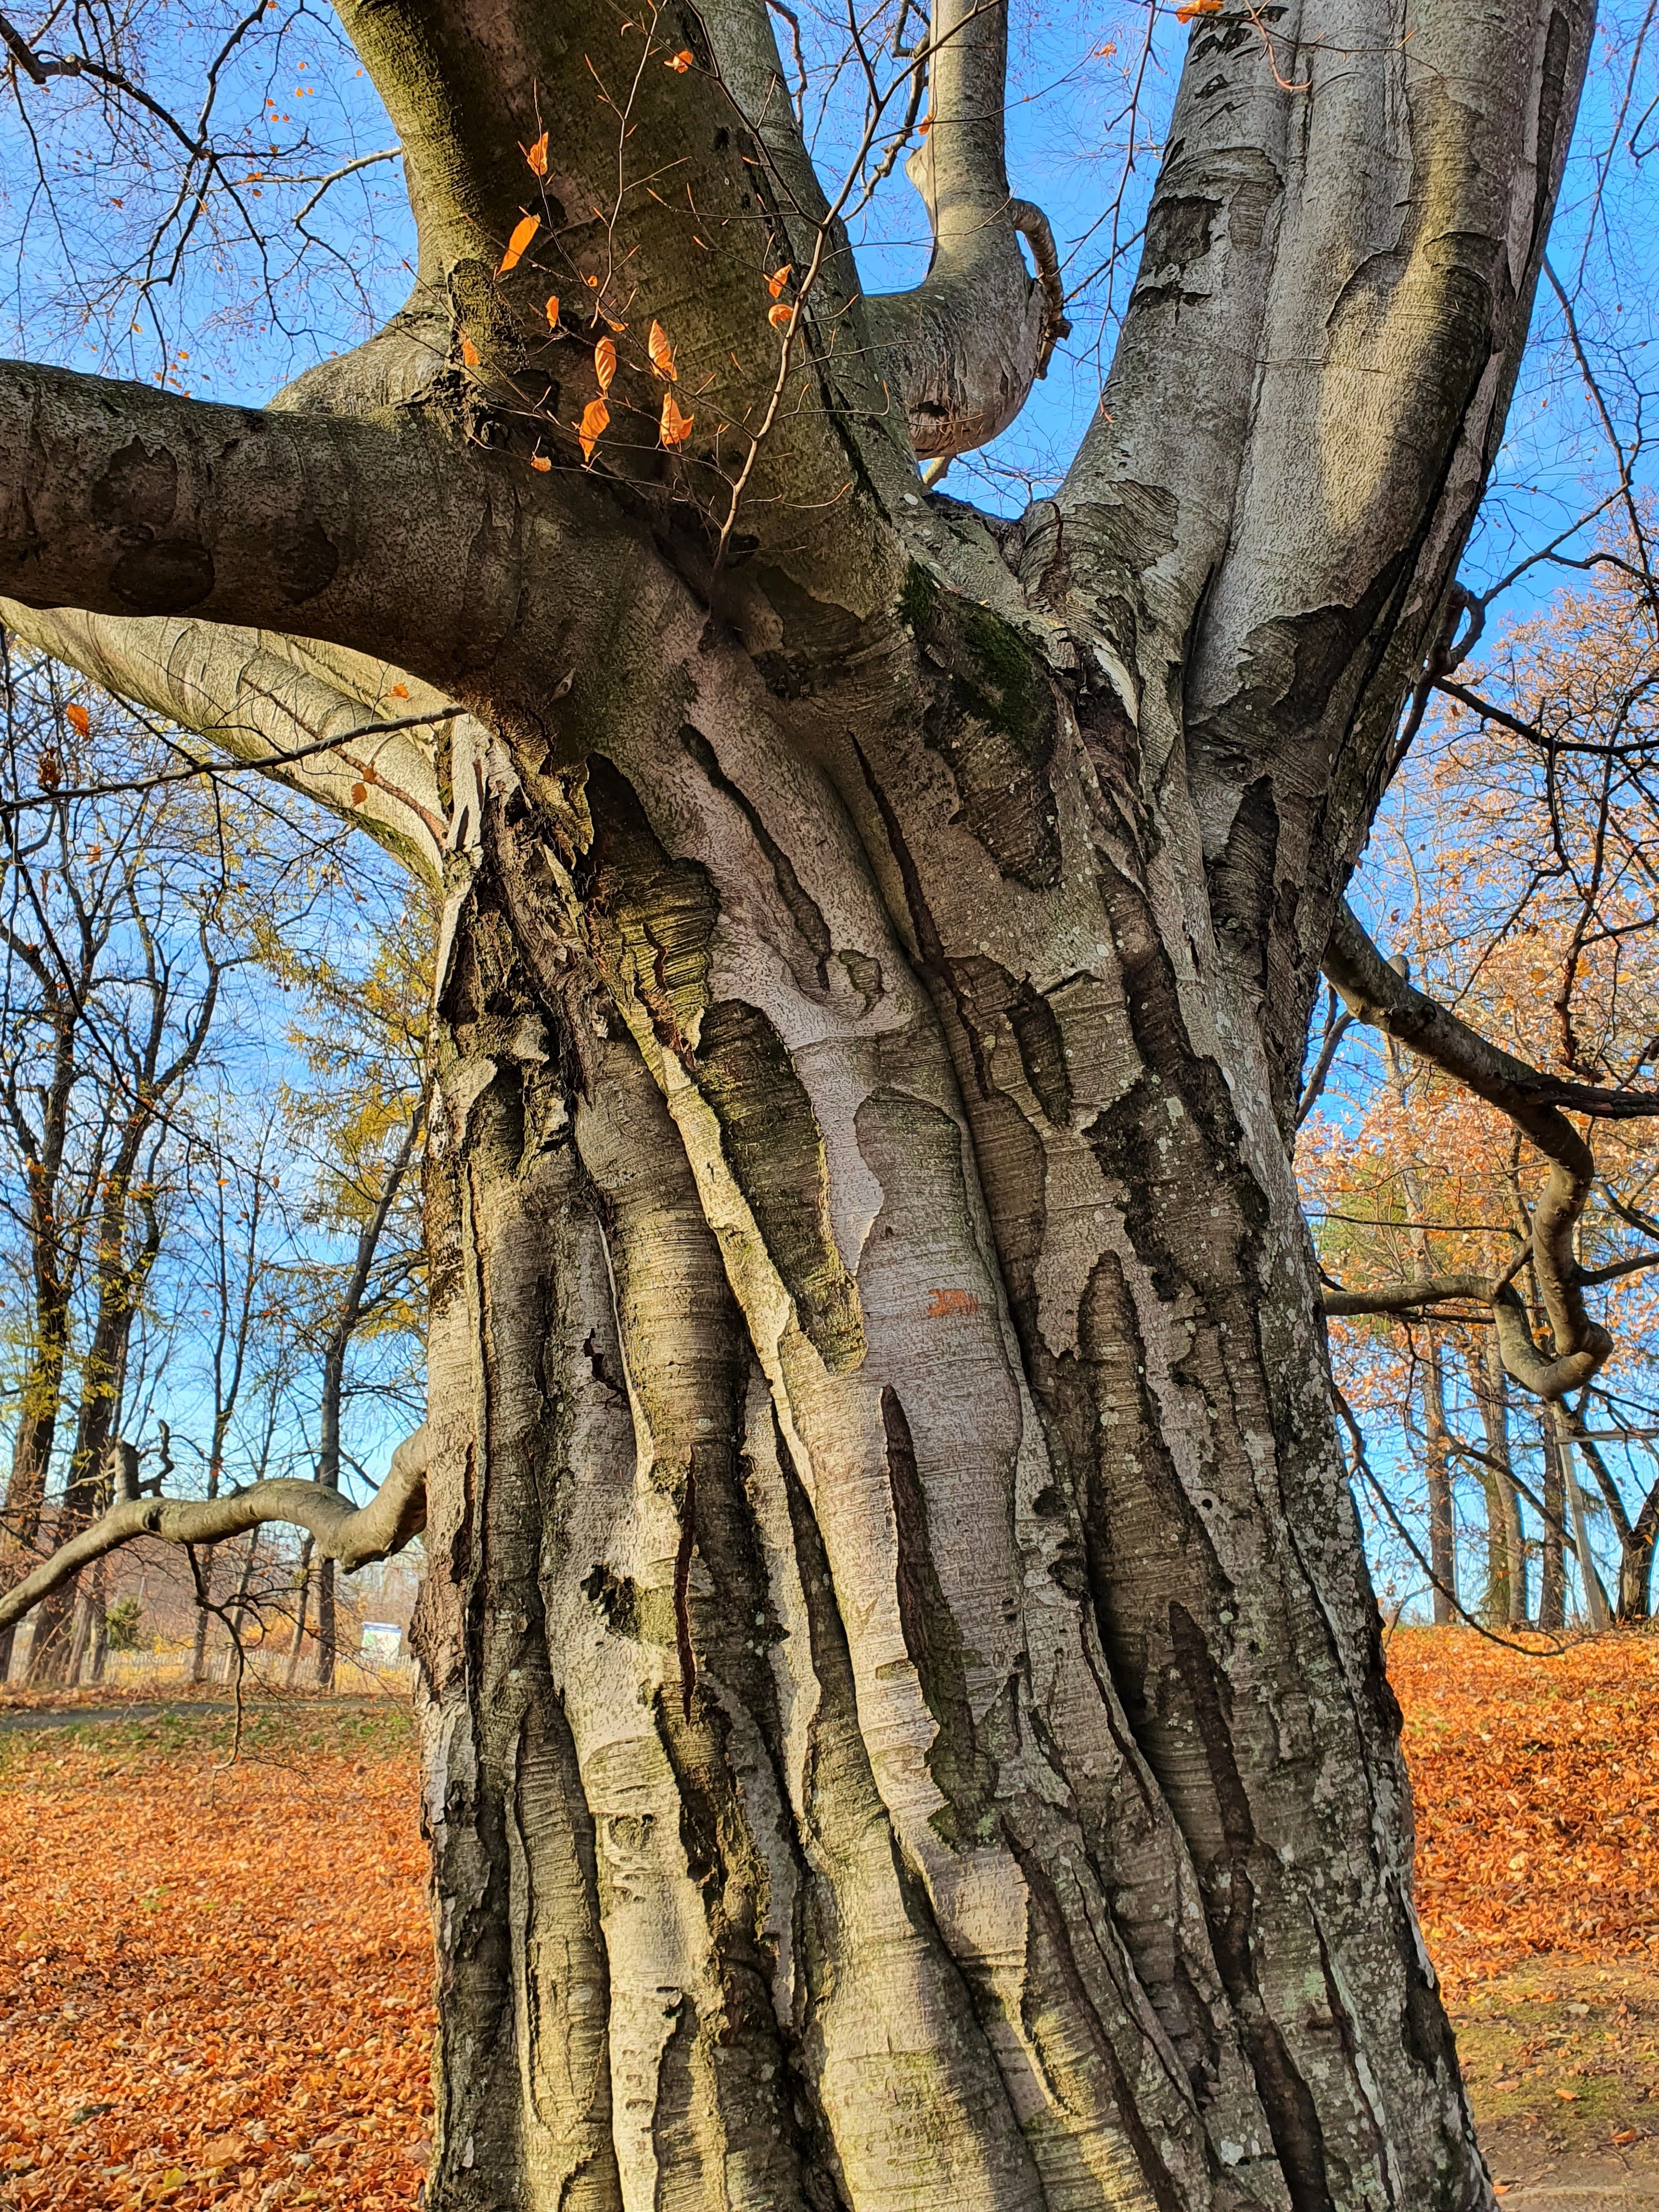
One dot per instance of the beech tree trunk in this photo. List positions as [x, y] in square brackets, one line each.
[903, 1715]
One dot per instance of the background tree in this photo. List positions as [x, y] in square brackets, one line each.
[1519, 847]
[903, 1712]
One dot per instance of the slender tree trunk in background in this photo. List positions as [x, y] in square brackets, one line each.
[304, 1595]
[103, 1372]
[98, 1654]
[53, 1655]
[1636, 1565]
[31, 1459]
[333, 1391]
[1552, 1593]
[327, 1625]
[80, 1641]
[1635, 1582]
[1506, 1585]
[1597, 1613]
[206, 1558]
[1443, 1531]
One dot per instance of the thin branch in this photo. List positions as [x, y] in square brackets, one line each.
[349, 169]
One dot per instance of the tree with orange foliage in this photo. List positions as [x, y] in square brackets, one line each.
[1462, 1218]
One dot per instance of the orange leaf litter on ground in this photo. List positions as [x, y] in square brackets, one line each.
[214, 1984]
[1537, 1782]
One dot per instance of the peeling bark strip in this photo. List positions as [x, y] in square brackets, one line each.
[903, 1718]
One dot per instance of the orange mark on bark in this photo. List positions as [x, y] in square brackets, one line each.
[953, 1301]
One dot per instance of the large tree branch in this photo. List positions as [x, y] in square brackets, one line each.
[355, 1536]
[383, 535]
[1312, 375]
[272, 702]
[968, 342]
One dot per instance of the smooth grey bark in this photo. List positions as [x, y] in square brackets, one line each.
[903, 1714]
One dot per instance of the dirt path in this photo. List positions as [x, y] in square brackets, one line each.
[1597, 2181]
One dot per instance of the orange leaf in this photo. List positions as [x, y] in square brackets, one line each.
[619, 327]
[1185, 14]
[924, 125]
[523, 233]
[593, 282]
[662, 353]
[399, 691]
[680, 62]
[779, 278]
[676, 426]
[78, 720]
[595, 416]
[359, 793]
[780, 316]
[605, 362]
[540, 463]
[536, 155]
[553, 312]
[469, 351]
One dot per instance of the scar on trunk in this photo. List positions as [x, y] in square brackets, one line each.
[683, 1592]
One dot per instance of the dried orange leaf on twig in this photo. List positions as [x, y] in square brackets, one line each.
[662, 353]
[540, 463]
[680, 62]
[676, 428]
[605, 362]
[77, 718]
[553, 312]
[1192, 7]
[469, 351]
[536, 155]
[780, 316]
[522, 233]
[595, 417]
[779, 278]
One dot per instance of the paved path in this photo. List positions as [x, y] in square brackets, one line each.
[47, 1716]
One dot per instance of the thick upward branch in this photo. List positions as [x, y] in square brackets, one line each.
[967, 344]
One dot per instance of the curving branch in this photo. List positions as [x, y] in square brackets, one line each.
[303, 713]
[355, 1536]
[1375, 992]
[968, 343]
